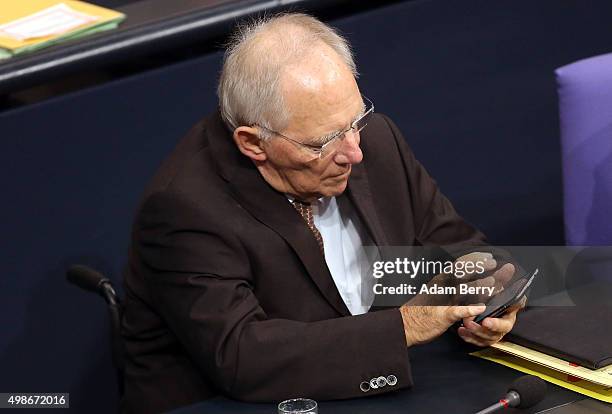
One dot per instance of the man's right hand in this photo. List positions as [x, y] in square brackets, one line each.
[426, 317]
[425, 323]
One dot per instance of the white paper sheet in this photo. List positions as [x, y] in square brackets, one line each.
[51, 21]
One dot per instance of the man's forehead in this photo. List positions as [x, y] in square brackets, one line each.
[309, 97]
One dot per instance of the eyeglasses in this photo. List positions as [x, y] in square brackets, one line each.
[333, 142]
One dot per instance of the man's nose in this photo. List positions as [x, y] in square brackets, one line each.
[349, 151]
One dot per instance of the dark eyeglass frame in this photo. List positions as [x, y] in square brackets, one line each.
[318, 150]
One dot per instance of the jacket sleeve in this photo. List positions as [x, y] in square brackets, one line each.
[198, 274]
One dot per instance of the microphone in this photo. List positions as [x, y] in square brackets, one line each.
[88, 279]
[524, 392]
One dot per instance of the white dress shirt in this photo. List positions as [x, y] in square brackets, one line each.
[344, 236]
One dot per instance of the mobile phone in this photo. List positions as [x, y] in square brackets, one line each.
[499, 304]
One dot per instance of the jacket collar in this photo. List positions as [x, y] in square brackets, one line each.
[272, 209]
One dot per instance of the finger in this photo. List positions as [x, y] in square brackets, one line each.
[481, 262]
[468, 319]
[481, 341]
[482, 332]
[519, 305]
[497, 290]
[487, 281]
[475, 256]
[510, 317]
[482, 295]
[504, 274]
[501, 325]
[513, 310]
[471, 339]
[460, 312]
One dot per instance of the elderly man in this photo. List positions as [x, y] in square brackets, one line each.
[243, 278]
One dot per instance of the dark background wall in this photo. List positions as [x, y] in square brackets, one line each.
[469, 82]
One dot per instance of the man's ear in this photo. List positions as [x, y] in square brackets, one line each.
[248, 142]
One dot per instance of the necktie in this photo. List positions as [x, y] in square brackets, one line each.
[305, 210]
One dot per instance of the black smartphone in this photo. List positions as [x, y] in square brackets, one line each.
[511, 295]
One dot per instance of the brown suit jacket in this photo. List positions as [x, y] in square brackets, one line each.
[228, 293]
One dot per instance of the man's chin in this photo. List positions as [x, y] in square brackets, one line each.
[334, 187]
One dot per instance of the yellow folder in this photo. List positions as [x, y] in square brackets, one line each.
[27, 25]
[547, 373]
[601, 376]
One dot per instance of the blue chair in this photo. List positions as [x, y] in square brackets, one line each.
[585, 106]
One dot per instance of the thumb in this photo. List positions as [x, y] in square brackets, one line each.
[460, 312]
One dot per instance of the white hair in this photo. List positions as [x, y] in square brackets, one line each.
[249, 87]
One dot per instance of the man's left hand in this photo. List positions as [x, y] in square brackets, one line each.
[492, 330]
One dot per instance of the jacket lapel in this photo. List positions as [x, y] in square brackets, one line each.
[359, 193]
[272, 209]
